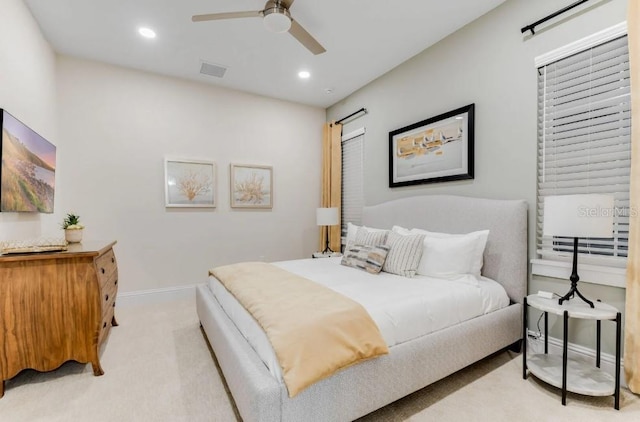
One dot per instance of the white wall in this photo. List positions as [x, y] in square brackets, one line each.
[113, 127]
[489, 63]
[119, 124]
[28, 92]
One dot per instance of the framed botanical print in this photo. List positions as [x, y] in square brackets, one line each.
[189, 183]
[251, 186]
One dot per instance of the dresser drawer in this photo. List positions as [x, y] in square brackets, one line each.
[108, 293]
[105, 325]
[106, 265]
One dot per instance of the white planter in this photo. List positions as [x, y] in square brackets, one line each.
[73, 235]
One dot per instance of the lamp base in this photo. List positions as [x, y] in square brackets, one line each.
[574, 278]
[327, 249]
[573, 291]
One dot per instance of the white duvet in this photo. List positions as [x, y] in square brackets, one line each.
[403, 308]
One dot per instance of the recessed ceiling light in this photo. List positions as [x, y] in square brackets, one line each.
[459, 118]
[147, 32]
[303, 74]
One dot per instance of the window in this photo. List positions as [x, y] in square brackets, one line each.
[584, 140]
[352, 179]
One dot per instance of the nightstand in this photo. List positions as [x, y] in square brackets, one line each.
[566, 373]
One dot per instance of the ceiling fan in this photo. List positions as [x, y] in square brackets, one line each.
[276, 18]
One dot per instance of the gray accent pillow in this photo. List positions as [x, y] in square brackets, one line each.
[405, 253]
[366, 236]
[369, 258]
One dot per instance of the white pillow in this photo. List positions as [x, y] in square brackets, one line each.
[352, 232]
[365, 236]
[449, 255]
[401, 230]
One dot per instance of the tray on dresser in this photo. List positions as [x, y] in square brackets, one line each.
[32, 246]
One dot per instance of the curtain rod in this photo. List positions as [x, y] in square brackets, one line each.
[532, 26]
[362, 110]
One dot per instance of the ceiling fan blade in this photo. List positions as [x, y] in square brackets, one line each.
[305, 38]
[229, 15]
[287, 3]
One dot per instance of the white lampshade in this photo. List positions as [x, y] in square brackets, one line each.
[327, 216]
[588, 215]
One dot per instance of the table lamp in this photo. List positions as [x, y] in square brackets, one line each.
[589, 215]
[327, 217]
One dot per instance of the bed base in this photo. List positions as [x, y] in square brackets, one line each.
[410, 366]
[359, 389]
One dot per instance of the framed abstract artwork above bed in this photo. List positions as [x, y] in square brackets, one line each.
[251, 186]
[436, 149]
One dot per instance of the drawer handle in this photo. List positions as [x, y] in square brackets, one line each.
[115, 283]
[106, 298]
[102, 269]
[114, 304]
[104, 325]
[113, 260]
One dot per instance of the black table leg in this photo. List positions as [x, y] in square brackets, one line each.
[524, 339]
[565, 343]
[546, 333]
[616, 403]
[598, 331]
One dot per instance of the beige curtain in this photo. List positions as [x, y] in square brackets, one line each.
[331, 180]
[632, 307]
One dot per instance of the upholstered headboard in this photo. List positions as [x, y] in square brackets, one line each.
[505, 256]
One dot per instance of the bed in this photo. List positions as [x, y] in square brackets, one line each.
[410, 365]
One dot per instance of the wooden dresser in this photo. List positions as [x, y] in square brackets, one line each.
[55, 307]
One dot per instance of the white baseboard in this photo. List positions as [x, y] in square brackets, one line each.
[166, 294]
[607, 361]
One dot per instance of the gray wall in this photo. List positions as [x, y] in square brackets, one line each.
[489, 63]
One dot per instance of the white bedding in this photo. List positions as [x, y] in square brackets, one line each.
[403, 308]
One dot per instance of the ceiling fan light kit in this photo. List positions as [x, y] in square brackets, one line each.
[277, 18]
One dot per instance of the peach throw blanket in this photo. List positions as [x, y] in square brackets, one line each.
[314, 330]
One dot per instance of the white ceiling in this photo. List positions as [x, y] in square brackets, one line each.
[364, 39]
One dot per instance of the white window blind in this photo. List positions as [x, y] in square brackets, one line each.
[352, 178]
[584, 141]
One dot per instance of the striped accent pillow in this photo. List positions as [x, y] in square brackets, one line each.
[369, 258]
[367, 236]
[405, 253]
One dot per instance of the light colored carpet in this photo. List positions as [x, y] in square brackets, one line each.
[158, 368]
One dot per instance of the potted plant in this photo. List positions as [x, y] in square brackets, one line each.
[72, 228]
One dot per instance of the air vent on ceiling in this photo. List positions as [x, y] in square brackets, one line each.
[211, 69]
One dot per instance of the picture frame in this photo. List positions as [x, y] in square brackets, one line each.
[251, 186]
[189, 183]
[27, 168]
[437, 149]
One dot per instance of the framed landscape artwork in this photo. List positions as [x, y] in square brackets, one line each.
[251, 186]
[189, 183]
[437, 149]
[27, 169]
